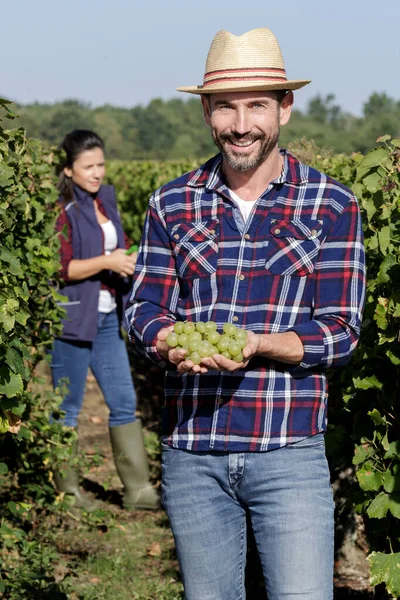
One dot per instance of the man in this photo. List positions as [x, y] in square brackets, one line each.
[257, 239]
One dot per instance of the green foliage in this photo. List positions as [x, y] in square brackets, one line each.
[175, 129]
[28, 261]
[134, 183]
[371, 384]
[29, 317]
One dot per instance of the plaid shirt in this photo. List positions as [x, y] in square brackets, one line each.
[297, 264]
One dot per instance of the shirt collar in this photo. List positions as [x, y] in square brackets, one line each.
[209, 174]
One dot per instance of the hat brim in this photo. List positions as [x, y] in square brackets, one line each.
[237, 87]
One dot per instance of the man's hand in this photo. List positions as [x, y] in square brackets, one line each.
[177, 356]
[282, 347]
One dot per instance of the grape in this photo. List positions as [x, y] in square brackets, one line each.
[188, 327]
[223, 342]
[210, 326]
[229, 329]
[172, 339]
[200, 327]
[204, 349]
[194, 344]
[178, 327]
[203, 340]
[234, 348]
[195, 335]
[195, 358]
[213, 337]
[241, 337]
[183, 340]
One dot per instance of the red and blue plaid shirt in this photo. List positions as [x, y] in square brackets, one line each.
[297, 264]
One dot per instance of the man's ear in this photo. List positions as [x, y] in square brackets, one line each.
[206, 102]
[285, 108]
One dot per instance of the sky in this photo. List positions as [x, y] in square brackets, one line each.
[128, 52]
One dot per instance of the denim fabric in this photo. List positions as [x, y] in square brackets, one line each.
[108, 359]
[288, 497]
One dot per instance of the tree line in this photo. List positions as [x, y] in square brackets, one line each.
[175, 129]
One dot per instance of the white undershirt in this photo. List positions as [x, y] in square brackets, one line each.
[107, 301]
[245, 206]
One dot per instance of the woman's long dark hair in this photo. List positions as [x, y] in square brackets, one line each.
[74, 143]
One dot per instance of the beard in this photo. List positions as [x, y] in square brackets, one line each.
[242, 162]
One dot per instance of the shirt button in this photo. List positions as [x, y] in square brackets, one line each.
[277, 231]
[241, 277]
[247, 236]
[176, 236]
[212, 231]
[314, 233]
[235, 319]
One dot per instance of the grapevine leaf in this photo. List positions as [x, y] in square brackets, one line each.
[391, 482]
[10, 383]
[369, 478]
[385, 568]
[394, 450]
[384, 239]
[367, 383]
[4, 425]
[377, 417]
[379, 506]
[394, 504]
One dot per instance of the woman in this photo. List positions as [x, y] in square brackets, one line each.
[95, 271]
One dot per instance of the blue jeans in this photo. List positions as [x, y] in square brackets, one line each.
[288, 497]
[107, 357]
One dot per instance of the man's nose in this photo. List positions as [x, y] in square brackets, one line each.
[242, 122]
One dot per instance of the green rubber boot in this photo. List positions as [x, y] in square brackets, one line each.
[132, 467]
[69, 484]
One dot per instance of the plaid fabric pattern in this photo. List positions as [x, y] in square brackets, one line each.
[63, 227]
[296, 264]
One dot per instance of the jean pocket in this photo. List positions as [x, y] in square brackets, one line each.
[195, 246]
[293, 247]
[313, 441]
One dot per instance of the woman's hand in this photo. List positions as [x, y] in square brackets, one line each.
[121, 263]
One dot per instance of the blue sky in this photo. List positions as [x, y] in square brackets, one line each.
[126, 52]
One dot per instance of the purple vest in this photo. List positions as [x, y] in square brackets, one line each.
[87, 242]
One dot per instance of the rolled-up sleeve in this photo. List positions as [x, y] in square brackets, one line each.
[155, 289]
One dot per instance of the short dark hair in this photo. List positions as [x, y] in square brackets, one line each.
[74, 143]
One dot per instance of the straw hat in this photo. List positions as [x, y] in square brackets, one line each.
[244, 63]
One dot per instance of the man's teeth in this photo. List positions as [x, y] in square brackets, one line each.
[243, 144]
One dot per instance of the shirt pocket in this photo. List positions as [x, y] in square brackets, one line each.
[293, 247]
[195, 246]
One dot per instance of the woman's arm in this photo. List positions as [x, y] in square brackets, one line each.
[118, 261]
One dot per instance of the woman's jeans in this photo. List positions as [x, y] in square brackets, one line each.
[288, 497]
[107, 357]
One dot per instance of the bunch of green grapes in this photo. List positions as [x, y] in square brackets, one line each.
[202, 340]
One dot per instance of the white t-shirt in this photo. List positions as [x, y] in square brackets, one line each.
[107, 301]
[245, 206]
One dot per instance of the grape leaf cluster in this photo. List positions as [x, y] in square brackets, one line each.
[202, 340]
